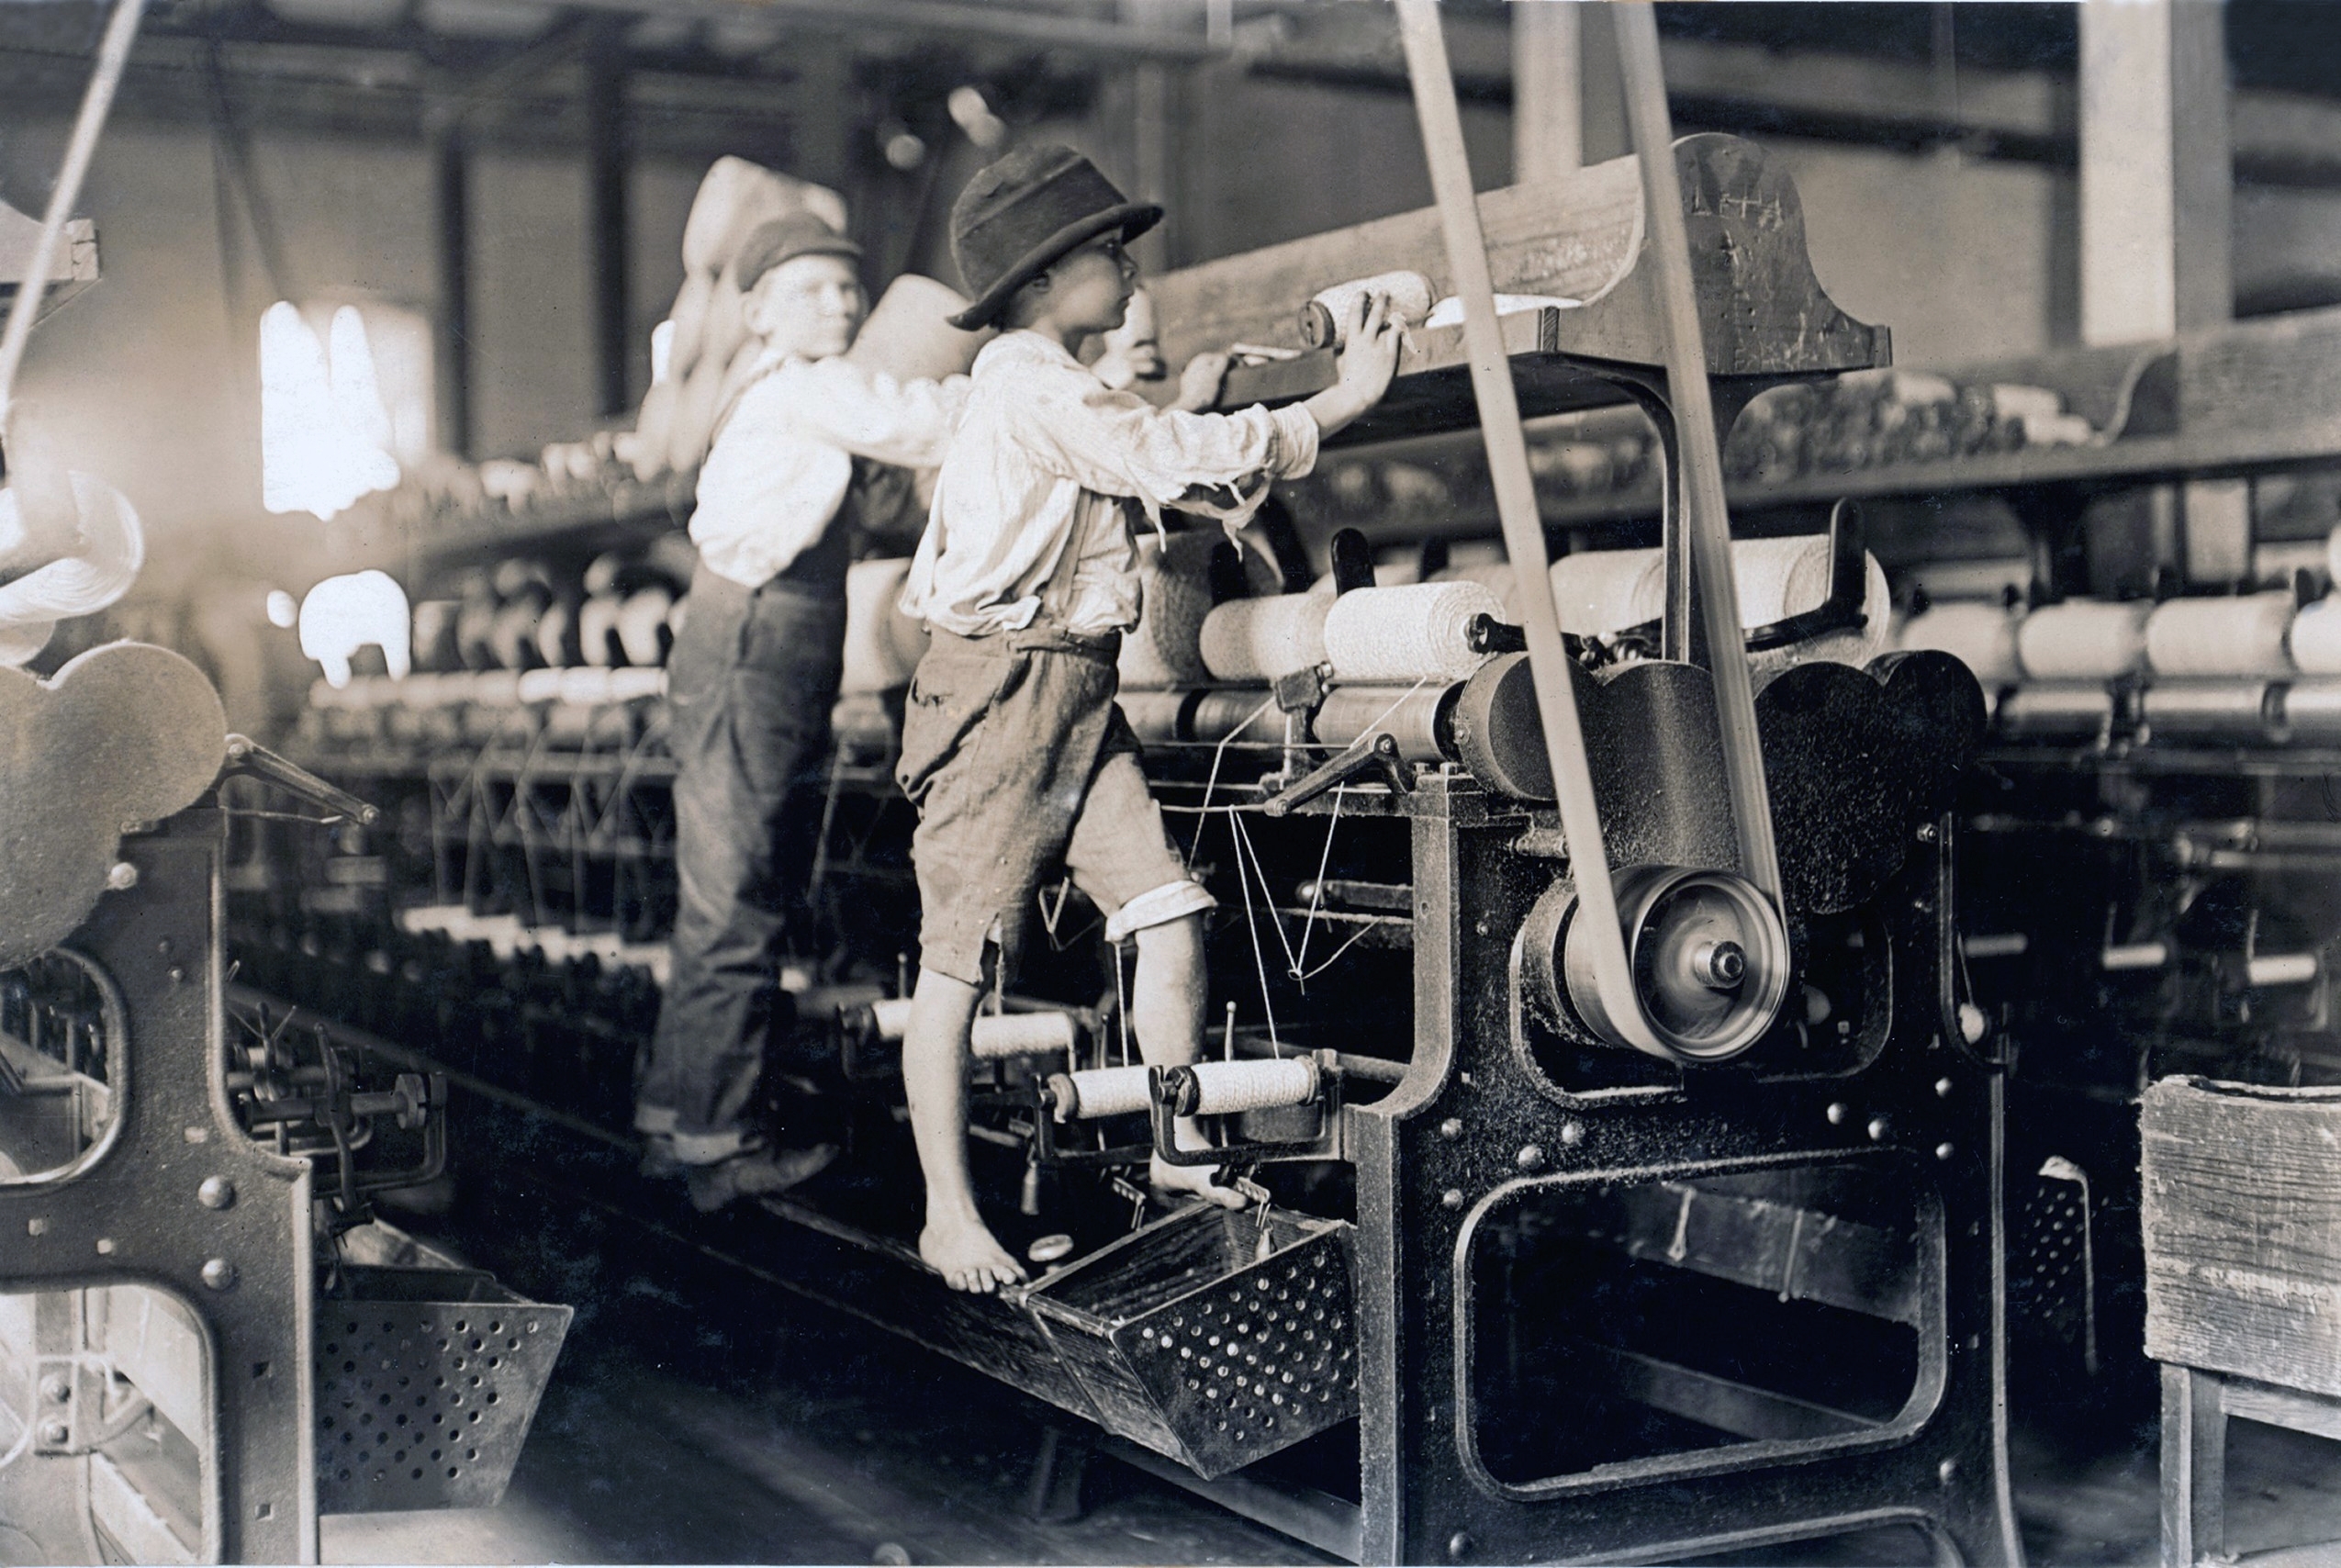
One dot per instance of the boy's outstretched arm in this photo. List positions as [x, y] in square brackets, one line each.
[1369, 359]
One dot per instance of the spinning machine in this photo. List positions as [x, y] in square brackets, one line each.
[1624, 1148]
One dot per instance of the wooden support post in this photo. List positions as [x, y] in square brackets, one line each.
[450, 192]
[2194, 1467]
[608, 230]
[1547, 90]
[2157, 177]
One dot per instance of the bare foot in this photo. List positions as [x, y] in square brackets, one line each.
[1200, 1180]
[967, 1257]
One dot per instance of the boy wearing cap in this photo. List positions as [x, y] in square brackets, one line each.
[1012, 748]
[751, 681]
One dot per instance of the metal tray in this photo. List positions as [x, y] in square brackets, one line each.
[1187, 1338]
[427, 1380]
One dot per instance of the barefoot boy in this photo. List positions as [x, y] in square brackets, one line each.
[1012, 748]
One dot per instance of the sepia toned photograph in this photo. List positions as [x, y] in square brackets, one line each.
[1171, 783]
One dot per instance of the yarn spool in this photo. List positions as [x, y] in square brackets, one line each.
[1155, 717]
[435, 647]
[1228, 1088]
[536, 686]
[1165, 647]
[635, 683]
[1397, 635]
[1099, 1091]
[107, 547]
[511, 636]
[597, 630]
[2244, 636]
[875, 645]
[908, 335]
[556, 633]
[646, 625]
[1238, 716]
[2316, 639]
[2083, 639]
[1496, 577]
[1325, 318]
[1599, 592]
[1981, 636]
[890, 1017]
[1410, 717]
[996, 1036]
[1260, 639]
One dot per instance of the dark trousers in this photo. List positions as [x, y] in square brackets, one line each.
[750, 683]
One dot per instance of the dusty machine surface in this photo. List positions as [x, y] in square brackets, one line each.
[194, 1362]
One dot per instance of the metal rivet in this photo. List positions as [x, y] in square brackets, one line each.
[1458, 1545]
[1451, 1127]
[1571, 1134]
[122, 876]
[217, 1193]
[1947, 1471]
[165, 948]
[57, 1434]
[219, 1273]
[1529, 1158]
[1942, 1151]
[105, 1246]
[1926, 832]
[57, 1389]
[36, 1226]
[1942, 1088]
[1452, 1198]
[196, 1135]
[176, 975]
[1879, 1127]
[1973, 1024]
[1837, 1114]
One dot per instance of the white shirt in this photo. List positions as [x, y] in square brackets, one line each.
[781, 462]
[1044, 460]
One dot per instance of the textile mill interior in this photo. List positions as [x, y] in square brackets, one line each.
[1389, 781]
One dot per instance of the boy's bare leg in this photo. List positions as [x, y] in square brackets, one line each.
[934, 1080]
[1166, 1012]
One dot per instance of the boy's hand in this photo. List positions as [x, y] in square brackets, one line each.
[1370, 352]
[1369, 359]
[1199, 383]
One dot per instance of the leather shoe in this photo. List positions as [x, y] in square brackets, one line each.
[757, 1173]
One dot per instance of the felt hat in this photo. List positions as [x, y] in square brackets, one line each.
[1021, 214]
[784, 240]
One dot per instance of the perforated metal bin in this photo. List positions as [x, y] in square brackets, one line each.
[427, 1380]
[1189, 1340]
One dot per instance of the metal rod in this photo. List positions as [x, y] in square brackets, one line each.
[1707, 528]
[113, 54]
[1507, 458]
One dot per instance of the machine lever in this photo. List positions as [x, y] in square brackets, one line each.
[253, 760]
[1382, 755]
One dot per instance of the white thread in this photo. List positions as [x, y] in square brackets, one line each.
[1418, 631]
[2221, 636]
[1325, 320]
[1316, 888]
[1251, 925]
[1981, 636]
[1261, 639]
[1224, 1088]
[2316, 637]
[2083, 639]
[1211, 780]
[1020, 1034]
[1109, 1092]
[109, 547]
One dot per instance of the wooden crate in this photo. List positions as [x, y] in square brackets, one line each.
[2243, 1231]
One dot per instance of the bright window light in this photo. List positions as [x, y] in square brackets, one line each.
[342, 410]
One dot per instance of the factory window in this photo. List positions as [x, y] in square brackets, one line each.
[345, 398]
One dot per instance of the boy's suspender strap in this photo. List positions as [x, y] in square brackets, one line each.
[1056, 595]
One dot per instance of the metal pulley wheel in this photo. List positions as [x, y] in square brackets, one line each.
[1710, 958]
